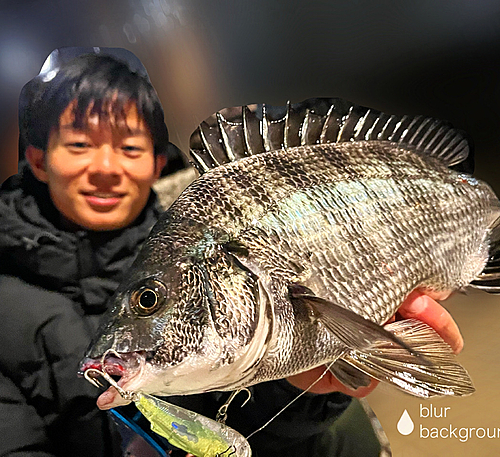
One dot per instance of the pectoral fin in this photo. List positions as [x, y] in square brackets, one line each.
[407, 354]
[349, 328]
[442, 376]
[348, 375]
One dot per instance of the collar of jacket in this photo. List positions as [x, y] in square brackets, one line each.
[84, 265]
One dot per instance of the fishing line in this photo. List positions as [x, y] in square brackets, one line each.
[295, 399]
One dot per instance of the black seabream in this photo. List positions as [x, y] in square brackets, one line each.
[308, 227]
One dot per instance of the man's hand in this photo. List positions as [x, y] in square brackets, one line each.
[422, 307]
[417, 306]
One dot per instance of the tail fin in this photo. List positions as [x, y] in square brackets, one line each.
[489, 279]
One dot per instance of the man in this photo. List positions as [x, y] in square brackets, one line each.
[71, 224]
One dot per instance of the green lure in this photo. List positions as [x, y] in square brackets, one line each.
[189, 431]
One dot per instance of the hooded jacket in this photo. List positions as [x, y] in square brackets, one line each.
[54, 285]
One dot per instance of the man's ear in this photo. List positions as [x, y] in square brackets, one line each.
[160, 162]
[36, 159]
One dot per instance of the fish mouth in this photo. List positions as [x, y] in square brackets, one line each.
[125, 368]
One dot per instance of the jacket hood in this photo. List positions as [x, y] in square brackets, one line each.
[84, 265]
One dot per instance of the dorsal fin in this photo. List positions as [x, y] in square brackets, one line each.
[234, 133]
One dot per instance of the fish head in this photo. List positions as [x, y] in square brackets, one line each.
[189, 318]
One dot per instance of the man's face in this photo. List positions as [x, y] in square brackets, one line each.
[100, 177]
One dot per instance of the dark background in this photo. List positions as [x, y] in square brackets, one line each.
[432, 57]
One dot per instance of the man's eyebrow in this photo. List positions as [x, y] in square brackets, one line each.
[131, 132]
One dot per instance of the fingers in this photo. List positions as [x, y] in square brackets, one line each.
[424, 308]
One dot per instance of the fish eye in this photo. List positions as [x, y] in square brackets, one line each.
[148, 298]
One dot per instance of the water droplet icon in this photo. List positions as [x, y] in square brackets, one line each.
[405, 424]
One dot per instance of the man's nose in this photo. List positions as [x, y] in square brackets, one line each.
[105, 161]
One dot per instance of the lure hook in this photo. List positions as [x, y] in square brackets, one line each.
[93, 381]
[125, 394]
[222, 413]
[109, 351]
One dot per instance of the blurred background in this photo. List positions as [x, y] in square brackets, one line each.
[436, 58]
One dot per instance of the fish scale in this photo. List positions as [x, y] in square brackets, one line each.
[307, 229]
[346, 220]
[281, 209]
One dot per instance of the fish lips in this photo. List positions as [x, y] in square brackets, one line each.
[123, 365]
[114, 366]
[127, 367]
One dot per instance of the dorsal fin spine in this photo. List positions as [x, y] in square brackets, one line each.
[226, 143]
[206, 143]
[430, 131]
[425, 122]
[441, 132]
[399, 130]
[441, 145]
[358, 128]
[233, 133]
[411, 128]
[370, 126]
[265, 128]
[384, 134]
[200, 164]
[287, 125]
[246, 129]
[304, 128]
[344, 124]
[378, 126]
[322, 137]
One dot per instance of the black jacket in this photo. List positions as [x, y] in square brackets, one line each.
[54, 285]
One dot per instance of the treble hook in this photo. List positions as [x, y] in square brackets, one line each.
[222, 413]
[109, 351]
[125, 394]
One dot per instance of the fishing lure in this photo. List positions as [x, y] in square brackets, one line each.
[189, 431]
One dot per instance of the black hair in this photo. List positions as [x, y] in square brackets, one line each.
[100, 84]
